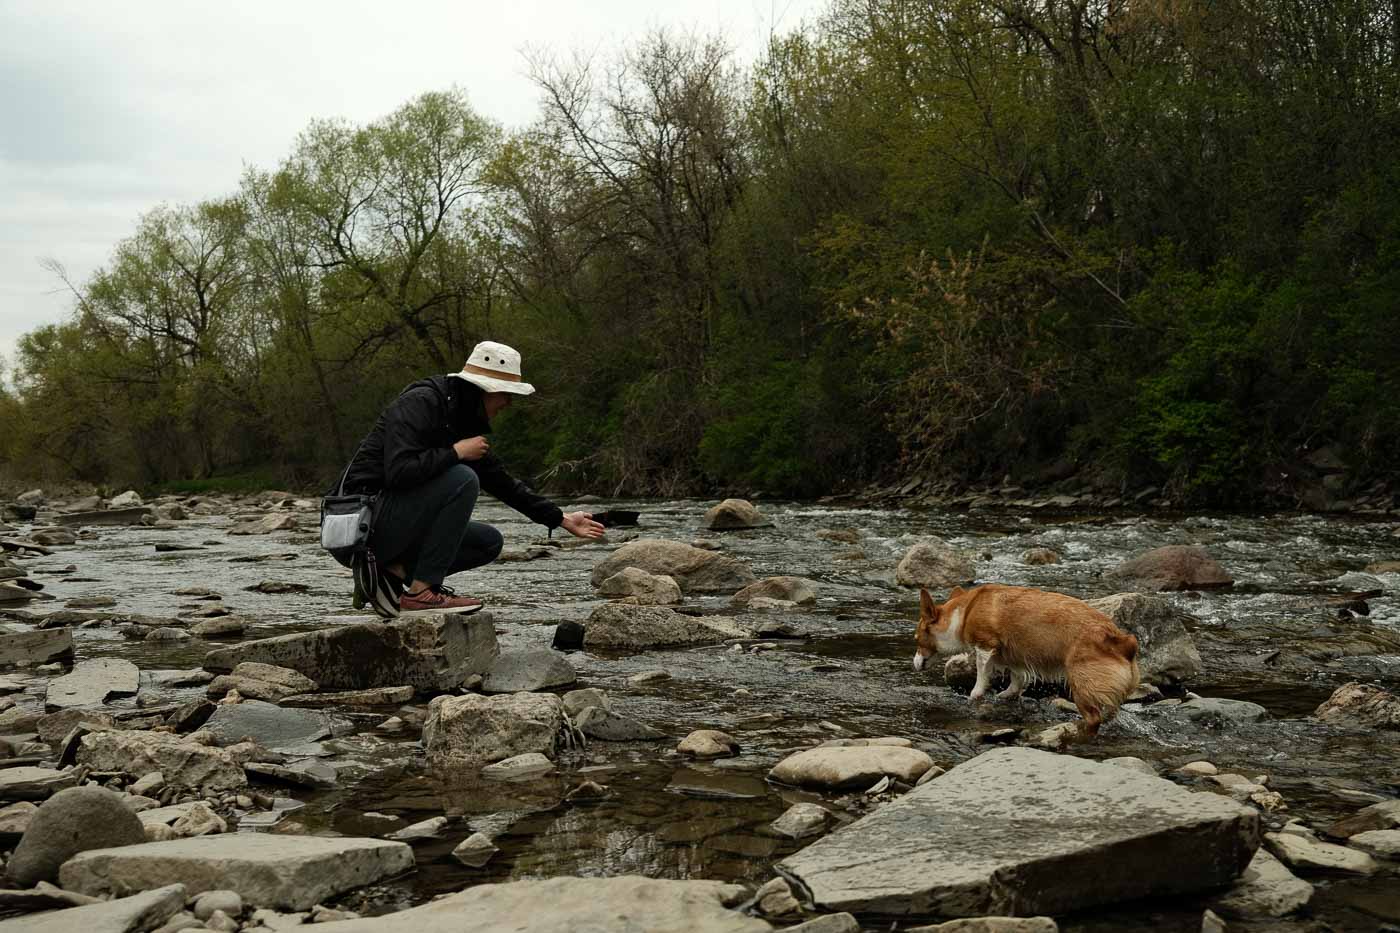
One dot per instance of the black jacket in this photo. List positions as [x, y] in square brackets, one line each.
[412, 440]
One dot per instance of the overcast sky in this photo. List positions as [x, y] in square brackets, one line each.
[108, 109]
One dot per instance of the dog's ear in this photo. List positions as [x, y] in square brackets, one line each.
[957, 591]
[926, 606]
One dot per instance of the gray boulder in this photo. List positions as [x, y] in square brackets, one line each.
[1022, 832]
[470, 732]
[428, 653]
[934, 563]
[614, 625]
[647, 589]
[69, 822]
[259, 681]
[694, 569]
[277, 521]
[626, 904]
[1361, 705]
[184, 763]
[1166, 653]
[1176, 567]
[528, 670]
[734, 515]
[278, 871]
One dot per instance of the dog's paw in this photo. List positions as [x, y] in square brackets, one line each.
[1009, 695]
[976, 695]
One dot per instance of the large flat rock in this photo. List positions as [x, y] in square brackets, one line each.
[572, 905]
[430, 654]
[1020, 832]
[617, 626]
[285, 872]
[144, 911]
[92, 683]
[469, 732]
[30, 783]
[183, 763]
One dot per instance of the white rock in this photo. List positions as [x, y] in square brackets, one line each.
[1299, 852]
[474, 851]
[850, 767]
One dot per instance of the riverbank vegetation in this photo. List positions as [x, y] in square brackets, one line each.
[1142, 241]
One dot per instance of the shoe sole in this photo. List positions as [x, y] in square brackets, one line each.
[457, 611]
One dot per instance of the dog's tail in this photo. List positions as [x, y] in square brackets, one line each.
[1101, 683]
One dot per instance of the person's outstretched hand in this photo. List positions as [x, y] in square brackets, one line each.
[472, 448]
[582, 525]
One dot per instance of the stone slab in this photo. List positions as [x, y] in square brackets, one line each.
[136, 515]
[283, 872]
[1021, 832]
[92, 683]
[626, 904]
[527, 670]
[40, 646]
[429, 654]
[28, 783]
[144, 911]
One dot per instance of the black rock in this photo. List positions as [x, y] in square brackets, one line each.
[568, 636]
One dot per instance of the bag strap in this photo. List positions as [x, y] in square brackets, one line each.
[340, 489]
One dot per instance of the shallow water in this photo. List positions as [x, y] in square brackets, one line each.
[666, 817]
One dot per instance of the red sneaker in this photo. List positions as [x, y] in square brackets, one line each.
[437, 599]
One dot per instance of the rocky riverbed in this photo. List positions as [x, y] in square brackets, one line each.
[140, 673]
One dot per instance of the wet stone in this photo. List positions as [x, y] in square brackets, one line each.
[92, 683]
[518, 767]
[1220, 710]
[528, 670]
[694, 570]
[608, 726]
[851, 766]
[802, 820]
[1266, 889]
[475, 851]
[267, 724]
[1301, 852]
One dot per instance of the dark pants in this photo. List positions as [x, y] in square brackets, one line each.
[428, 529]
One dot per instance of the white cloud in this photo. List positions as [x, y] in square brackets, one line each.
[109, 109]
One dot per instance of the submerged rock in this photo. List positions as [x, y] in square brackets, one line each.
[281, 871]
[1176, 567]
[1040, 556]
[427, 653]
[474, 731]
[608, 726]
[934, 563]
[694, 570]
[788, 589]
[802, 820]
[626, 904]
[1166, 653]
[1021, 831]
[475, 851]
[708, 743]
[614, 625]
[733, 515]
[69, 822]
[1361, 705]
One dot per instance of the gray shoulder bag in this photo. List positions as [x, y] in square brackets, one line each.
[346, 521]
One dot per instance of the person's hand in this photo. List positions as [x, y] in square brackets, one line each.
[471, 448]
[582, 525]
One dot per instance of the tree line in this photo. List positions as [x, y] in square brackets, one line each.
[1156, 240]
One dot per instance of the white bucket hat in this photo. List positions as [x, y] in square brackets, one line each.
[495, 367]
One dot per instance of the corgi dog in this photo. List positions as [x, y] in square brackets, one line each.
[1036, 636]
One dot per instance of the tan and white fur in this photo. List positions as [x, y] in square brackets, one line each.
[1037, 636]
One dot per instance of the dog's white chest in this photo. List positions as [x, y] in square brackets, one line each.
[951, 639]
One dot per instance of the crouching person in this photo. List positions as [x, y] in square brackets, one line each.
[427, 460]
